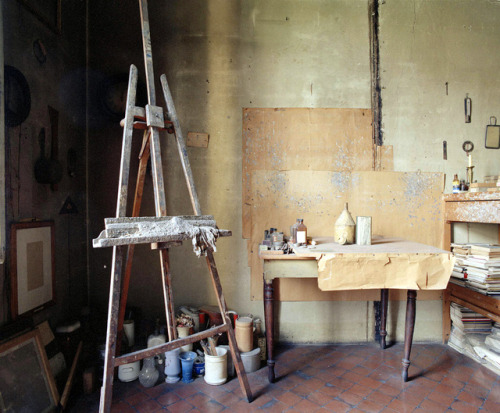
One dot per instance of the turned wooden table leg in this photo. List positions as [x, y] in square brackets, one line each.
[269, 317]
[384, 300]
[446, 315]
[409, 327]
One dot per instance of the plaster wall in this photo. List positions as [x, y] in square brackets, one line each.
[432, 55]
[58, 81]
[220, 57]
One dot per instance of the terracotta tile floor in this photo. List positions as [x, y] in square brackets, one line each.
[334, 378]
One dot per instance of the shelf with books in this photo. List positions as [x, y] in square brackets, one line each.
[483, 208]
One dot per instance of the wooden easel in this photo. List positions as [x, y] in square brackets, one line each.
[122, 233]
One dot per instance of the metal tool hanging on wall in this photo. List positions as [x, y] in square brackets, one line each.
[468, 108]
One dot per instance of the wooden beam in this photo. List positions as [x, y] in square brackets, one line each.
[373, 12]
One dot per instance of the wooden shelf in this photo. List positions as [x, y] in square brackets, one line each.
[486, 305]
[474, 207]
[472, 196]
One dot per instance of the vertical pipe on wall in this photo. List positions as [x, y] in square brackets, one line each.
[87, 106]
[376, 98]
[2, 149]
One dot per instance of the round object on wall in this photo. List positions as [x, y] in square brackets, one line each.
[113, 96]
[17, 96]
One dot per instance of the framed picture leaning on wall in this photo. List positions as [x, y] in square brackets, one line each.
[32, 266]
[26, 381]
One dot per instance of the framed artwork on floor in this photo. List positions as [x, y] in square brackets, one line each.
[26, 381]
[32, 269]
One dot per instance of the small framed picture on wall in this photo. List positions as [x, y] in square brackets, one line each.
[32, 269]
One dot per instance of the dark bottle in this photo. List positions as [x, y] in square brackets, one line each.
[260, 338]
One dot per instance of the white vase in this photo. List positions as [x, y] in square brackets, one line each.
[184, 332]
[172, 366]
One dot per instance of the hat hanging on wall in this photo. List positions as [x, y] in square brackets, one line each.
[17, 96]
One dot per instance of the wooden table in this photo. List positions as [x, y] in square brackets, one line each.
[386, 264]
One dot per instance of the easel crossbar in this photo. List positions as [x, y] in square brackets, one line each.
[171, 345]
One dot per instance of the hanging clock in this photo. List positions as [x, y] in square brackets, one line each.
[17, 96]
[113, 96]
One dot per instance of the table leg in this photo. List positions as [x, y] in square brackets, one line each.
[446, 315]
[269, 317]
[384, 300]
[409, 327]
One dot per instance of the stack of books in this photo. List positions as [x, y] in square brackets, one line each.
[491, 251]
[469, 329]
[495, 179]
[469, 321]
[483, 268]
[489, 351]
[493, 340]
[459, 273]
[477, 266]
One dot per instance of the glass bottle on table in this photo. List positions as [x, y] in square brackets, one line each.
[456, 184]
[293, 232]
[301, 233]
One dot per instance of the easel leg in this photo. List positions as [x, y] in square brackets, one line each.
[269, 317]
[409, 327]
[233, 346]
[113, 308]
[139, 187]
[384, 300]
[167, 294]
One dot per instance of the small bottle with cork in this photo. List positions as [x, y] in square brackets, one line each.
[301, 234]
[456, 184]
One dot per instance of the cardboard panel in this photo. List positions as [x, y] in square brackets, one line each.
[320, 139]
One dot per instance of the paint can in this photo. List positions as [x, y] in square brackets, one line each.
[244, 333]
[216, 367]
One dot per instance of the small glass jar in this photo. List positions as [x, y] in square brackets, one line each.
[293, 232]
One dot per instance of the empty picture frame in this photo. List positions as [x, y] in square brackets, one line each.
[32, 266]
[26, 382]
[492, 139]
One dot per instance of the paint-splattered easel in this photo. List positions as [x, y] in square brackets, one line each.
[122, 233]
